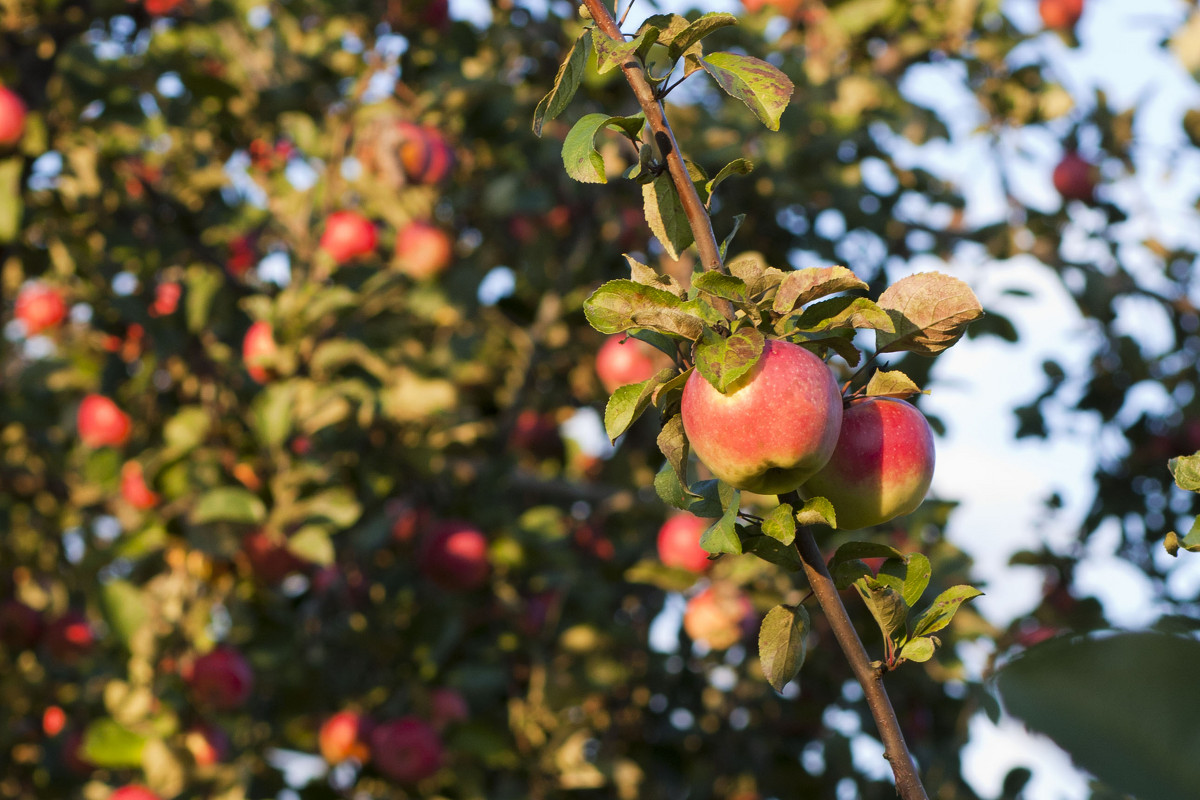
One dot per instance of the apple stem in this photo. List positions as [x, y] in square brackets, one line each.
[908, 783]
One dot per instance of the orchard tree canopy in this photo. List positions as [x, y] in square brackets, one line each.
[364, 374]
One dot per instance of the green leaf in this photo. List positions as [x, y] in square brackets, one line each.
[611, 308]
[11, 199]
[125, 609]
[728, 240]
[911, 573]
[613, 53]
[723, 286]
[739, 166]
[673, 444]
[186, 430]
[722, 361]
[781, 644]
[891, 383]
[669, 488]
[859, 550]
[805, 285]
[842, 312]
[566, 82]
[228, 504]
[711, 498]
[761, 86]
[693, 33]
[579, 155]
[817, 511]
[669, 395]
[1186, 472]
[920, 649]
[930, 312]
[885, 604]
[943, 609]
[1122, 706]
[272, 413]
[775, 552]
[628, 402]
[108, 744]
[722, 536]
[846, 573]
[338, 505]
[648, 276]
[665, 215]
[780, 524]
[333, 355]
[202, 287]
[312, 543]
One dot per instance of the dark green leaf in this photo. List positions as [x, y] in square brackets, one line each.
[728, 240]
[930, 312]
[722, 536]
[885, 604]
[710, 503]
[781, 644]
[860, 550]
[761, 86]
[672, 443]
[668, 395]
[722, 361]
[943, 609]
[611, 308]
[775, 552]
[780, 524]
[613, 53]
[739, 166]
[570, 73]
[628, 402]
[665, 215]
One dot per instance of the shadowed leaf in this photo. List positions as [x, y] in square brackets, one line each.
[930, 312]
[781, 644]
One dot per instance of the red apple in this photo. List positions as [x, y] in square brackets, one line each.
[258, 351]
[134, 488]
[423, 250]
[446, 707]
[12, 117]
[537, 434]
[720, 616]
[133, 792]
[623, 360]
[39, 307]
[54, 719]
[425, 154]
[882, 466]
[101, 423]
[774, 429]
[454, 556]
[69, 638]
[348, 235]
[221, 678]
[409, 517]
[20, 625]
[1060, 15]
[679, 542]
[270, 560]
[344, 736]
[406, 749]
[1075, 178]
[166, 299]
[786, 8]
[208, 744]
[242, 256]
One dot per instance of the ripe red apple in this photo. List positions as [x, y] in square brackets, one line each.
[423, 250]
[621, 361]
[69, 638]
[1060, 15]
[221, 678]
[1075, 178]
[454, 555]
[270, 560]
[12, 117]
[774, 429]
[786, 8]
[348, 235]
[54, 719]
[720, 616]
[406, 749]
[133, 792]
[39, 307]
[424, 153]
[679, 542]
[882, 466]
[446, 707]
[242, 256]
[166, 299]
[208, 744]
[134, 488]
[344, 736]
[20, 625]
[101, 423]
[258, 351]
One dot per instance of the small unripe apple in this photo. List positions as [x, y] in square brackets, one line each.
[621, 361]
[348, 235]
[20, 625]
[454, 555]
[258, 351]
[774, 429]
[679, 542]
[1075, 178]
[133, 792]
[344, 736]
[1060, 15]
[12, 117]
[882, 466]
[69, 638]
[221, 679]
[101, 424]
[39, 307]
[134, 488]
[446, 707]
[423, 250]
[720, 616]
[424, 153]
[208, 744]
[406, 749]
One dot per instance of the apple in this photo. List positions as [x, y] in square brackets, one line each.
[786, 8]
[270, 560]
[344, 736]
[69, 638]
[720, 616]
[454, 556]
[20, 625]
[221, 678]
[679, 542]
[623, 360]
[882, 466]
[409, 517]
[134, 488]
[1075, 178]
[166, 299]
[101, 423]
[775, 427]
[406, 749]
[537, 434]
[242, 256]
[423, 250]
[348, 235]
[424, 153]
[258, 351]
[446, 707]
[208, 744]
[39, 307]
[12, 117]
[1060, 15]
[54, 719]
[133, 792]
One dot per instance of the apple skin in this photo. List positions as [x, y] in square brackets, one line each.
[12, 117]
[344, 736]
[221, 679]
[242, 256]
[20, 625]
[679, 542]
[773, 430]
[166, 299]
[446, 707]
[720, 616]
[348, 235]
[425, 154]
[270, 560]
[882, 466]
[101, 423]
[40, 308]
[1075, 178]
[623, 360]
[423, 251]
[134, 488]
[258, 350]
[208, 744]
[454, 556]
[1060, 15]
[133, 792]
[69, 638]
[406, 749]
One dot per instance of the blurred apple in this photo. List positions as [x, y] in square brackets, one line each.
[406, 749]
[69, 638]
[623, 360]
[679, 542]
[166, 299]
[39, 307]
[133, 792]
[221, 678]
[446, 707]
[537, 434]
[12, 117]
[134, 488]
[454, 555]
[101, 424]
[258, 351]
[208, 744]
[242, 256]
[348, 235]
[344, 736]
[424, 153]
[269, 559]
[1060, 15]
[1075, 178]
[720, 616]
[423, 250]
[54, 719]
[408, 517]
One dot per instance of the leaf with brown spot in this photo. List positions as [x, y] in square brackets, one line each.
[930, 312]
